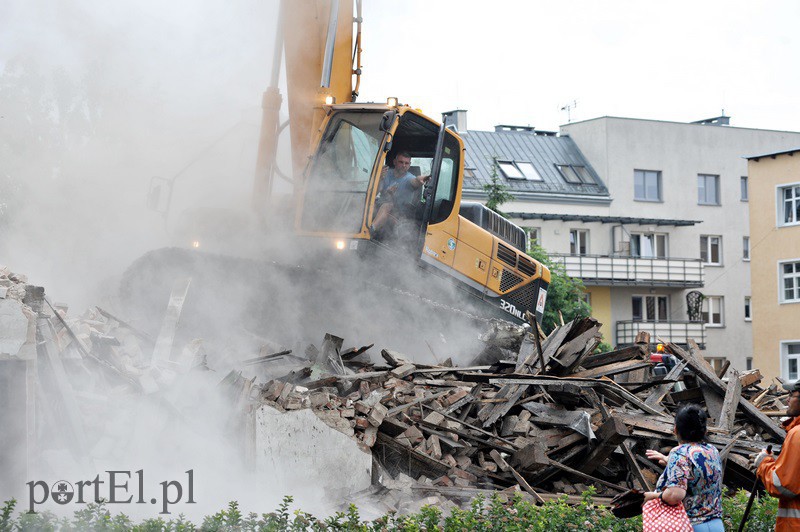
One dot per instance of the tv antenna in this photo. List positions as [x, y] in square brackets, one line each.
[568, 108]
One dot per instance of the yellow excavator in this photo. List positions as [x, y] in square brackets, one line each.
[468, 255]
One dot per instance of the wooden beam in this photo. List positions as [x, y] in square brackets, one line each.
[732, 395]
[610, 434]
[696, 363]
[612, 369]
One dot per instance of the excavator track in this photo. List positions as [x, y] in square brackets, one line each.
[234, 300]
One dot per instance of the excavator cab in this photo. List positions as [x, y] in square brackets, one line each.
[483, 254]
[355, 150]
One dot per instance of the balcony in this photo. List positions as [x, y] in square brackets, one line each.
[677, 332]
[604, 270]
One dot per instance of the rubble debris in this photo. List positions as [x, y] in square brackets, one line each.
[552, 417]
[534, 415]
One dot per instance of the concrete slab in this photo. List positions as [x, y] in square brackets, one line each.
[297, 453]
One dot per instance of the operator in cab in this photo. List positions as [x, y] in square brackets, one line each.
[397, 195]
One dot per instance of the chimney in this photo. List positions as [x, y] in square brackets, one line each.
[457, 117]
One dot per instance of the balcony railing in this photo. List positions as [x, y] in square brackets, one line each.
[604, 270]
[677, 332]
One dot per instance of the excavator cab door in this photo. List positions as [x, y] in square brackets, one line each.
[439, 229]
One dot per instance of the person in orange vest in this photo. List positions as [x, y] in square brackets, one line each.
[781, 476]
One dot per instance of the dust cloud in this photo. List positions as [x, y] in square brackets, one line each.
[99, 101]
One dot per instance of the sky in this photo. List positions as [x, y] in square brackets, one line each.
[521, 62]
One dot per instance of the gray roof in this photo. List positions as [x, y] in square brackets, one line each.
[773, 154]
[543, 151]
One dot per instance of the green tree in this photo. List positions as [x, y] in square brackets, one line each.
[564, 294]
[496, 192]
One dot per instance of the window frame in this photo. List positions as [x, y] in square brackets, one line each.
[748, 308]
[785, 357]
[656, 297]
[708, 321]
[500, 166]
[528, 240]
[746, 248]
[533, 176]
[708, 250]
[717, 200]
[575, 243]
[781, 205]
[655, 236]
[782, 285]
[744, 188]
[644, 173]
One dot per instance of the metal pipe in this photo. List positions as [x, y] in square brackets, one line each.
[330, 43]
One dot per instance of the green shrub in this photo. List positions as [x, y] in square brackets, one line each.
[483, 515]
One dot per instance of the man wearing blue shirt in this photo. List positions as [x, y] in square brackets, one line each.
[397, 192]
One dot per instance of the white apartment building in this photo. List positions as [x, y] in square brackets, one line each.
[673, 219]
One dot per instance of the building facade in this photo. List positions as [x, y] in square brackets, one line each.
[775, 264]
[666, 248]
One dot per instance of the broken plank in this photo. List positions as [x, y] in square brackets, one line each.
[524, 484]
[620, 355]
[610, 434]
[729, 404]
[701, 367]
[611, 369]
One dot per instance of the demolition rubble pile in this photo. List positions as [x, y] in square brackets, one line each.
[553, 417]
[541, 415]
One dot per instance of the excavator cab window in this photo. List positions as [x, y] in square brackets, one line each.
[446, 187]
[338, 179]
[418, 136]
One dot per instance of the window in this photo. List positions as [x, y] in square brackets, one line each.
[711, 249]
[646, 185]
[529, 171]
[748, 363]
[746, 247]
[649, 308]
[743, 187]
[587, 298]
[568, 174]
[469, 173]
[583, 173]
[574, 174]
[341, 174]
[534, 237]
[707, 189]
[789, 205]
[649, 245]
[510, 170]
[579, 242]
[747, 311]
[790, 355]
[519, 170]
[713, 311]
[790, 282]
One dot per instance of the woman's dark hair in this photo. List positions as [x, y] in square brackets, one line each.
[690, 423]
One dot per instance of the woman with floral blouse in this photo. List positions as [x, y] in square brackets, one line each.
[693, 474]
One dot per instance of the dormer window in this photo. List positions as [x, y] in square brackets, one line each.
[519, 170]
[576, 175]
[529, 171]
